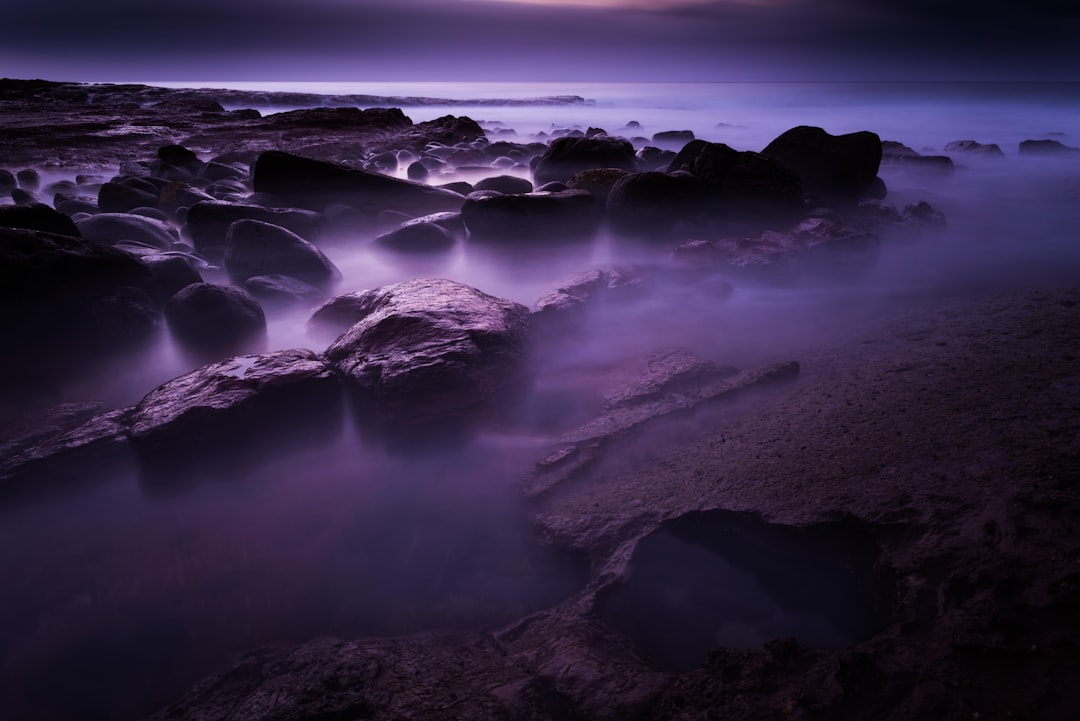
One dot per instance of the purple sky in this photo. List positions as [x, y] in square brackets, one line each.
[476, 40]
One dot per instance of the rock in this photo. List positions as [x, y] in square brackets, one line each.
[7, 182]
[877, 190]
[315, 184]
[743, 186]
[413, 237]
[598, 181]
[1046, 147]
[340, 313]
[662, 385]
[656, 204]
[211, 321]
[37, 216]
[566, 156]
[565, 308]
[923, 214]
[69, 206]
[547, 217]
[208, 221]
[653, 158]
[838, 167]
[215, 171]
[417, 170]
[432, 353]
[28, 179]
[253, 247]
[832, 249]
[246, 406]
[990, 150]
[673, 137]
[61, 300]
[172, 273]
[899, 155]
[275, 291]
[110, 228]
[176, 196]
[506, 184]
[180, 157]
[23, 197]
[121, 197]
[460, 187]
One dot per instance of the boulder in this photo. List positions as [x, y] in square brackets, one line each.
[548, 217]
[338, 314]
[180, 157]
[172, 273]
[212, 321]
[654, 204]
[29, 179]
[1046, 147]
[249, 405]
[37, 216]
[316, 184]
[413, 237]
[7, 182]
[566, 156]
[275, 291]
[110, 228]
[208, 221]
[598, 181]
[835, 250]
[253, 247]
[120, 198]
[432, 353]
[677, 138]
[839, 168]
[565, 308]
[507, 184]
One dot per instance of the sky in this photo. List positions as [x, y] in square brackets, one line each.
[540, 40]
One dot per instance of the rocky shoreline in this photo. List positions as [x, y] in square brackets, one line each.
[904, 504]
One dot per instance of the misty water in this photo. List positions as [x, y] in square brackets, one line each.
[132, 590]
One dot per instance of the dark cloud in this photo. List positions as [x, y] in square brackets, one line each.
[476, 40]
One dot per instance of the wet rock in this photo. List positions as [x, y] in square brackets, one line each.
[533, 217]
[662, 385]
[652, 158]
[989, 150]
[833, 249]
[211, 321]
[28, 179]
[122, 197]
[217, 414]
[253, 247]
[70, 205]
[37, 216]
[417, 237]
[7, 182]
[566, 307]
[23, 197]
[901, 156]
[110, 228]
[506, 184]
[417, 170]
[71, 458]
[340, 313]
[180, 157]
[432, 353]
[315, 184]
[923, 214]
[566, 156]
[677, 138]
[176, 196]
[172, 273]
[208, 221]
[656, 204]
[598, 181]
[838, 167]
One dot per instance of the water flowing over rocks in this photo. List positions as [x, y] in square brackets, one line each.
[432, 352]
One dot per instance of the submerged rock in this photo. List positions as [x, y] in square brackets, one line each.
[215, 415]
[972, 147]
[253, 247]
[432, 352]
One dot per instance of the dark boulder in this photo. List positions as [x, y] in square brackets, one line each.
[7, 182]
[29, 179]
[180, 157]
[656, 204]
[110, 228]
[839, 168]
[413, 237]
[743, 185]
[507, 184]
[37, 216]
[598, 181]
[61, 298]
[417, 170]
[315, 184]
[251, 405]
[23, 198]
[208, 222]
[432, 352]
[898, 155]
[340, 313]
[122, 197]
[213, 321]
[566, 156]
[253, 247]
[653, 158]
[673, 137]
[547, 217]
[70, 205]
[172, 273]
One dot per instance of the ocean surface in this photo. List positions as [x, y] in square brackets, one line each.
[110, 589]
